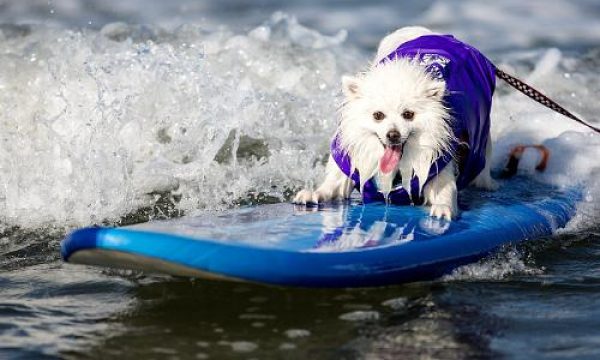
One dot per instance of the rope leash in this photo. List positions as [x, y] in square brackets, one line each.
[539, 97]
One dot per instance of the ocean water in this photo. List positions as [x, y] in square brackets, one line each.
[118, 112]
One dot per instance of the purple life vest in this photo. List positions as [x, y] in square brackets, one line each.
[470, 83]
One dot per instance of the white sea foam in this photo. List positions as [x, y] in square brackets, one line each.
[497, 267]
[96, 124]
[574, 149]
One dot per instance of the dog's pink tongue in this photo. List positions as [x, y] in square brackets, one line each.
[390, 158]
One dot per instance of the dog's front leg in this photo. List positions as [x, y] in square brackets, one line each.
[441, 193]
[336, 186]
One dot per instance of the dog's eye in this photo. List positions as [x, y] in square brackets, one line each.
[408, 115]
[378, 115]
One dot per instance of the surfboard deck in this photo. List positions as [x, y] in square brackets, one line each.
[334, 245]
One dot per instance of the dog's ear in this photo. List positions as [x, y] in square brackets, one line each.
[351, 87]
[436, 90]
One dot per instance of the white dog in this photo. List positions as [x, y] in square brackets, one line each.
[403, 120]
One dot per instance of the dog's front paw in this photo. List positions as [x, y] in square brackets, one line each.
[443, 211]
[304, 197]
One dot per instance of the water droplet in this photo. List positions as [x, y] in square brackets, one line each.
[360, 316]
[296, 333]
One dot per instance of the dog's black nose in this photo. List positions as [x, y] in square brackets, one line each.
[393, 136]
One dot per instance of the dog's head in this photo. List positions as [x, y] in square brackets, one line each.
[394, 118]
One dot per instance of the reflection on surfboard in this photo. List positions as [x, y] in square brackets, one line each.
[359, 227]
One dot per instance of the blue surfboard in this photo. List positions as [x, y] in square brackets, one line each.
[335, 245]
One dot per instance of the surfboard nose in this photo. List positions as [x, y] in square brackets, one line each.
[85, 238]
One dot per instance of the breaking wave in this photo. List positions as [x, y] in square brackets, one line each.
[135, 120]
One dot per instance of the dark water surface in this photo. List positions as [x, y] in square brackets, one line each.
[548, 308]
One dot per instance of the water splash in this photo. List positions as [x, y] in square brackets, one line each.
[497, 267]
[96, 125]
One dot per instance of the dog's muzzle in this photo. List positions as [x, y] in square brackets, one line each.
[394, 137]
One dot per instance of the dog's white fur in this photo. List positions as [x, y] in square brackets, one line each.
[392, 88]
